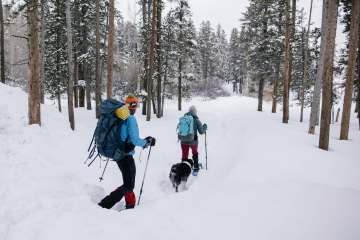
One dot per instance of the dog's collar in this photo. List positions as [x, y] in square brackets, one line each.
[187, 163]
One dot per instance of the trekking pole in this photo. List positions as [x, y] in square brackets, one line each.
[140, 155]
[102, 175]
[142, 184]
[205, 152]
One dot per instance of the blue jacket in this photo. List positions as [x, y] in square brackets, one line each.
[130, 130]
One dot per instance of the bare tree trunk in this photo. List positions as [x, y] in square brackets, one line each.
[110, 49]
[358, 82]
[42, 51]
[151, 57]
[180, 60]
[87, 89]
[337, 115]
[292, 40]
[315, 104]
[102, 59]
[97, 62]
[275, 89]
[81, 96]
[145, 49]
[154, 104]
[261, 93]
[353, 44]
[179, 85]
[58, 94]
[286, 74]
[163, 91]
[306, 68]
[2, 47]
[76, 79]
[331, 12]
[70, 86]
[158, 50]
[34, 85]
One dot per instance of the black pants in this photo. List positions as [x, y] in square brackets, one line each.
[128, 170]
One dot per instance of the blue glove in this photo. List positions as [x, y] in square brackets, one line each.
[205, 126]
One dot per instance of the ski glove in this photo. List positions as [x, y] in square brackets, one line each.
[205, 127]
[150, 141]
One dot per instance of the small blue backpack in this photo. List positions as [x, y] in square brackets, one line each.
[185, 128]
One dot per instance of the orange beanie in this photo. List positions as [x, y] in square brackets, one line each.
[132, 102]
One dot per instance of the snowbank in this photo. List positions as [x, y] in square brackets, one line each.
[265, 180]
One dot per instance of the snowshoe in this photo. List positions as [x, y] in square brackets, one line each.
[196, 170]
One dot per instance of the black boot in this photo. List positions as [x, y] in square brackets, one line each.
[196, 163]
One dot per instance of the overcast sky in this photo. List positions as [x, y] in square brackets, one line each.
[224, 12]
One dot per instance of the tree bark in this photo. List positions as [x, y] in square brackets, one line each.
[331, 12]
[158, 50]
[81, 96]
[110, 49]
[70, 84]
[179, 85]
[358, 85]
[306, 68]
[42, 51]
[97, 62]
[2, 47]
[286, 74]
[350, 74]
[58, 94]
[180, 60]
[151, 57]
[145, 49]
[34, 85]
[260, 93]
[315, 104]
[87, 89]
[102, 59]
[76, 79]
[275, 89]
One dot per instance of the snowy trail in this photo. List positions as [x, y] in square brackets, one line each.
[265, 180]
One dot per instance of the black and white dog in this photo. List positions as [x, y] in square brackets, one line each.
[180, 172]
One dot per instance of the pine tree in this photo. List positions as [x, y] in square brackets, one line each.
[70, 83]
[2, 47]
[34, 86]
[206, 47]
[259, 22]
[287, 71]
[184, 37]
[353, 44]
[306, 65]
[234, 58]
[97, 62]
[44, 10]
[56, 71]
[169, 46]
[152, 46]
[110, 48]
[330, 16]
[315, 105]
[159, 58]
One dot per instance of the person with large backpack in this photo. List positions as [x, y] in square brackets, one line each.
[128, 134]
[188, 127]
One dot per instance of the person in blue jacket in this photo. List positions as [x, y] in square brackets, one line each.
[129, 133]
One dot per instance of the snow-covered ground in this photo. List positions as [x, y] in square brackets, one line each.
[266, 180]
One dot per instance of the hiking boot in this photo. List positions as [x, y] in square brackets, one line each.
[196, 163]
